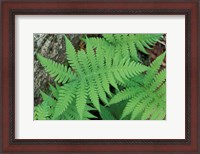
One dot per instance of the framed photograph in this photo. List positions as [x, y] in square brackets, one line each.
[103, 76]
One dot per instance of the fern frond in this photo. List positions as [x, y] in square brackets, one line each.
[100, 89]
[154, 67]
[158, 115]
[124, 95]
[149, 111]
[129, 44]
[72, 56]
[66, 96]
[162, 90]
[95, 71]
[145, 40]
[42, 111]
[54, 91]
[146, 93]
[132, 103]
[159, 79]
[140, 107]
[105, 84]
[133, 52]
[58, 71]
[81, 97]
[93, 94]
[72, 114]
[49, 100]
[46, 110]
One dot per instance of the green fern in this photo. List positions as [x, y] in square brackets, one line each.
[45, 110]
[60, 72]
[145, 94]
[107, 79]
[42, 111]
[72, 114]
[93, 74]
[127, 44]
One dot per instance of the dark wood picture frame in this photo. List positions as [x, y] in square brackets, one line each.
[10, 8]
